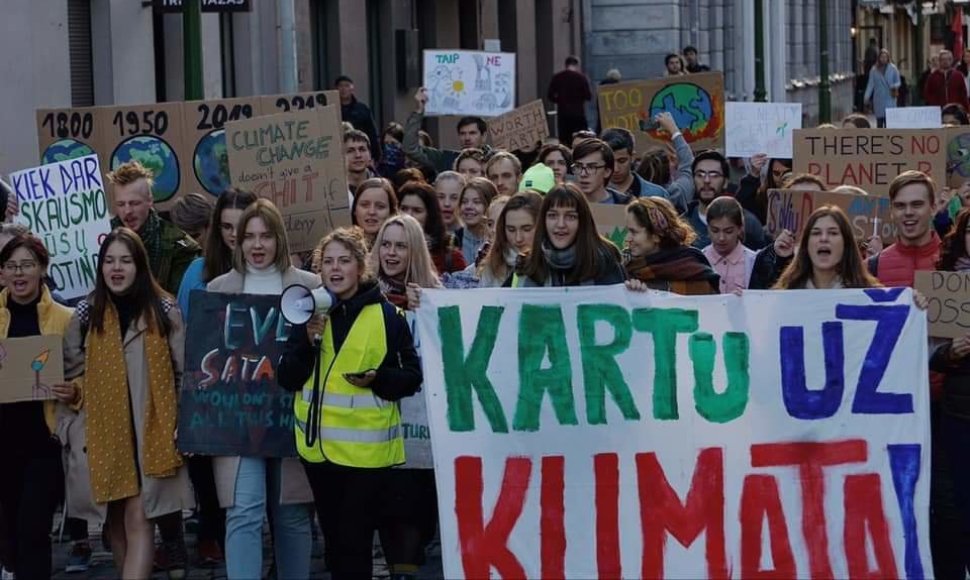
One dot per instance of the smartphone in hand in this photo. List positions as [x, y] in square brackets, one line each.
[358, 375]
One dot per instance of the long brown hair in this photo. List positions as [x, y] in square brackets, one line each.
[145, 291]
[529, 201]
[591, 248]
[218, 256]
[852, 269]
[955, 243]
[267, 211]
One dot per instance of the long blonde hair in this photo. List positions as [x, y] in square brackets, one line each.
[420, 269]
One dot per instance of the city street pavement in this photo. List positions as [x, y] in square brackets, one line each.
[102, 566]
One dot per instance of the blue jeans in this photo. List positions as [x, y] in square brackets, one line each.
[257, 480]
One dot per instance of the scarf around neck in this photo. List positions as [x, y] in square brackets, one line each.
[111, 440]
[394, 290]
[560, 259]
[151, 236]
[673, 264]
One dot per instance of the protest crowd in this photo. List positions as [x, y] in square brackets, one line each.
[584, 208]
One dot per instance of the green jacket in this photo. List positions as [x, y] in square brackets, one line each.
[178, 251]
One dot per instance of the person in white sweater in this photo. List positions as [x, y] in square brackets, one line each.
[248, 486]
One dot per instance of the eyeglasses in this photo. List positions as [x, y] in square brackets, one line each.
[708, 175]
[24, 267]
[587, 168]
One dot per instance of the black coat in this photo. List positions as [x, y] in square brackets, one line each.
[399, 374]
[359, 115]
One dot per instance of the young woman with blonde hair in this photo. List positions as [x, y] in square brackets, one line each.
[249, 486]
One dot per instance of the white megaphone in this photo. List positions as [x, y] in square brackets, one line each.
[298, 303]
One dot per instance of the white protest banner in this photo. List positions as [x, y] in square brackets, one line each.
[914, 118]
[64, 204]
[466, 82]
[414, 418]
[596, 432]
[754, 128]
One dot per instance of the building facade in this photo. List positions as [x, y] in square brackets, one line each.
[60, 53]
[635, 35]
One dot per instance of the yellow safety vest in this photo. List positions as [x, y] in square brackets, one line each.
[357, 428]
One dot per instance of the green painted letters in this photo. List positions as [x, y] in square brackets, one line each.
[664, 324]
[601, 372]
[541, 331]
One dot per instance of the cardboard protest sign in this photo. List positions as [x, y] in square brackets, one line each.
[468, 82]
[230, 402]
[602, 433]
[754, 128]
[948, 294]
[69, 133]
[29, 367]
[521, 128]
[64, 204]
[296, 160]
[869, 158]
[914, 118]
[869, 215]
[696, 102]
[275, 104]
[153, 135]
[205, 141]
[610, 222]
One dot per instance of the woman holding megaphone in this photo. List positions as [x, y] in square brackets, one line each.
[363, 363]
[248, 486]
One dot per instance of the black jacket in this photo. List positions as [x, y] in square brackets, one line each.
[768, 267]
[399, 374]
[956, 385]
[359, 115]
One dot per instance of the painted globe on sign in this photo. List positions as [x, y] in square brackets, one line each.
[157, 156]
[64, 150]
[958, 155]
[690, 105]
[211, 162]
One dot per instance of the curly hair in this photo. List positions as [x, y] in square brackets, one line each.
[353, 239]
[659, 218]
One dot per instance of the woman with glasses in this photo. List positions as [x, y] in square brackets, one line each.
[32, 481]
[567, 250]
[123, 354]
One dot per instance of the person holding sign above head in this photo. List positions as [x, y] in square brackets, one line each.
[711, 172]
[374, 202]
[472, 133]
[952, 358]
[170, 250]
[566, 249]
[658, 253]
[32, 483]
[123, 353]
[249, 486]
[593, 165]
[668, 168]
[827, 257]
[883, 87]
[363, 362]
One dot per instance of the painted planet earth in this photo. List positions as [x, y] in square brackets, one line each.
[211, 162]
[156, 155]
[64, 150]
[690, 105]
[958, 155]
